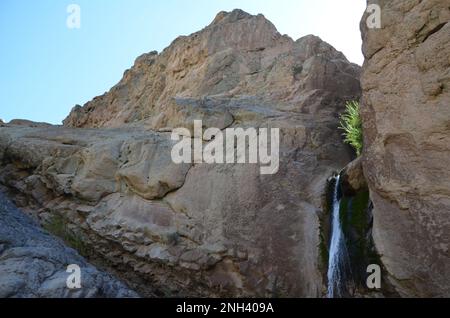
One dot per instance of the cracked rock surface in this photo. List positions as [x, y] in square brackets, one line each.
[197, 229]
[406, 98]
[33, 263]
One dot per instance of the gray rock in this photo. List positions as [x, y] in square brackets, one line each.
[34, 264]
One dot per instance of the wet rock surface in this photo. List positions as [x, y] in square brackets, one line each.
[353, 179]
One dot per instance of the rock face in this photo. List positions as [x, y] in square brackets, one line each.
[406, 97]
[202, 229]
[239, 66]
[34, 264]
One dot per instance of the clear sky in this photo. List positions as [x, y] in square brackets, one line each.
[47, 68]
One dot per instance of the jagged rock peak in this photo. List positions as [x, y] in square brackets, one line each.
[233, 16]
[238, 56]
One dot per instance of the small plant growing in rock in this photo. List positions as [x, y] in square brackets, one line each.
[58, 226]
[351, 123]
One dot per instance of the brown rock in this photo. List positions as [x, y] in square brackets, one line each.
[352, 178]
[406, 94]
[28, 123]
[237, 62]
[200, 230]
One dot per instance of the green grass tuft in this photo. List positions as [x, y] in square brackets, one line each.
[351, 123]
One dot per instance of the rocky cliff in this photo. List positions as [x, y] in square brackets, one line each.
[237, 69]
[406, 97]
[196, 229]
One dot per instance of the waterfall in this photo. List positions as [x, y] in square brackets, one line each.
[338, 265]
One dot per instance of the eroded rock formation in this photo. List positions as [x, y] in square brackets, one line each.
[406, 97]
[239, 68]
[34, 264]
[197, 230]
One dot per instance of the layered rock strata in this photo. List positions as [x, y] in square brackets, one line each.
[197, 229]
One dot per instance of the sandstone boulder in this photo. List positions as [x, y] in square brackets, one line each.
[352, 178]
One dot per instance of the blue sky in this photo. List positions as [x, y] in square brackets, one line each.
[47, 68]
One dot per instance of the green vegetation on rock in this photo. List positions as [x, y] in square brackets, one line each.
[352, 125]
[58, 227]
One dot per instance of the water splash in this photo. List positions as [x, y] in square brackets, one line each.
[339, 265]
